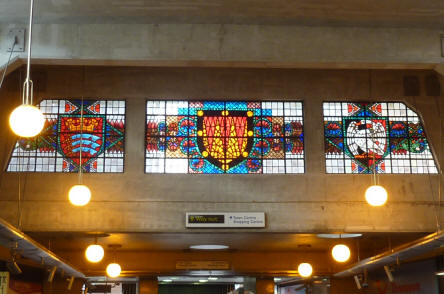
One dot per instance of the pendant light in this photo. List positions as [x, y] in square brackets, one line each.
[341, 253]
[94, 253]
[375, 195]
[80, 194]
[27, 120]
[113, 269]
[305, 270]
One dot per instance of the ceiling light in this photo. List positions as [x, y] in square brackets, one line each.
[338, 236]
[376, 195]
[79, 195]
[305, 270]
[277, 279]
[440, 273]
[94, 253]
[213, 278]
[341, 253]
[203, 281]
[209, 247]
[113, 270]
[27, 120]
[167, 280]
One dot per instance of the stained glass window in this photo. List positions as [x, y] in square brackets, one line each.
[57, 148]
[212, 137]
[386, 137]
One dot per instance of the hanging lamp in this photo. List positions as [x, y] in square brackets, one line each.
[27, 120]
[114, 269]
[341, 253]
[375, 195]
[94, 253]
[305, 270]
[80, 194]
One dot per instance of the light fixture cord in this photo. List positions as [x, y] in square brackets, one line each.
[7, 63]
[28, 87]
[372, 131]
[81, 144]
[375, 178]
[19, 207]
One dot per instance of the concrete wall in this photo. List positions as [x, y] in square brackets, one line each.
[238, 43]
[138, 202]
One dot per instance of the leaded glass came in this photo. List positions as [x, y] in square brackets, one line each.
[100, 137]
[212, 137]
[385, 137]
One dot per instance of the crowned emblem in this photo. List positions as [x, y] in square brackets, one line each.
[225, 138]
[81, 136]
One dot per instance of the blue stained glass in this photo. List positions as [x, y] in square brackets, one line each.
[214, 105]
[224, 137]
[98, 136]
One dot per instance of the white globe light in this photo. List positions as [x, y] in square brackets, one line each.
[26, 121]
[376, 195]
[79, 195]
[113, 270]
[94, 253]
[305, 270]
[341, 253]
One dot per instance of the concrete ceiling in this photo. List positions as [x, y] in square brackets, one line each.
[408, 13]
[372, 243]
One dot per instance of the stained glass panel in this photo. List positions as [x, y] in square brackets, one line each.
[57, 148]
[385, 137]
[213, 137]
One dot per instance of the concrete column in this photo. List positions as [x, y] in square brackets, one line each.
[264, 286]
[148, 286]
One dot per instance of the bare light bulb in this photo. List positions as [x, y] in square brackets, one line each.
[113, 270]
[26, 121]
[305, 270]
[341, 253]
[79, 195]
[376, 195]
[94, 253]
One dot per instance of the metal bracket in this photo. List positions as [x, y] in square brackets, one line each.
[19, 35]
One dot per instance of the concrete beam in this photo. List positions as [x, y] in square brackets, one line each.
[251, 263]
[233, 43]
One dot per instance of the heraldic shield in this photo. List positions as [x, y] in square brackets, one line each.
[89, 140]
[225, 138]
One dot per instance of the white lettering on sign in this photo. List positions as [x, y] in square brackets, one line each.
[4, 282]
[225, 220]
